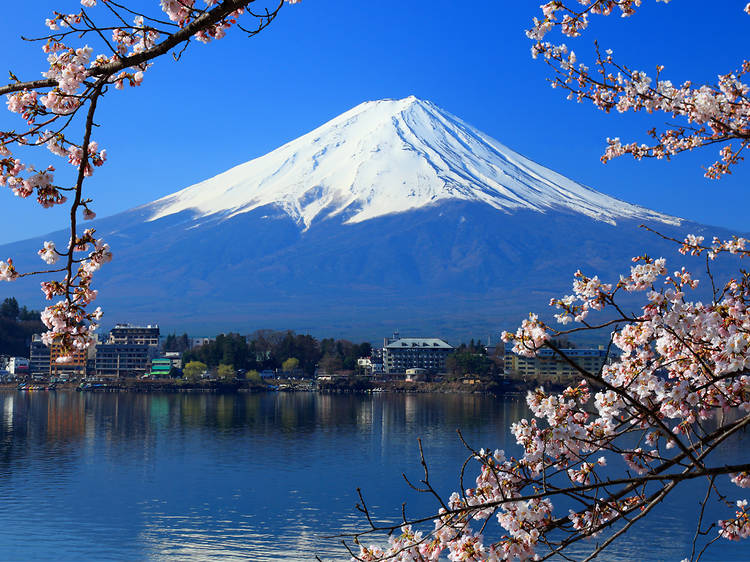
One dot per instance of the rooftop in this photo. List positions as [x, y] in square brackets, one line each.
[428, 343]
[582, 352]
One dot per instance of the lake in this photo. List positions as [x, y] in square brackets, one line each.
[121, 476]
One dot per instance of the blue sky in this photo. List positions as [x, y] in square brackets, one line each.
[236, 99]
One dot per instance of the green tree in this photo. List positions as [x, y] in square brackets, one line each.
[229, 349]
[194, 370]
[16, 328]
[177, 343]
[364, 350]
[253, 376]
[183, 343]
[463, 362]
[331, 363]
[169, 343]
[225, 372]
[26, 315]
[290, 364]
[307, 350]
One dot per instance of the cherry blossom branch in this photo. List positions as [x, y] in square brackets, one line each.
[698, 531]
[200, 23]
[680, 362]
[633, 482]
[646, 412]
[715, 114]
[49, 107]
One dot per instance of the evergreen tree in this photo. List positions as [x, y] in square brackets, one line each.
[17, 325]
[9, 308]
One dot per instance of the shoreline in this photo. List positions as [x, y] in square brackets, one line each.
[507, 387]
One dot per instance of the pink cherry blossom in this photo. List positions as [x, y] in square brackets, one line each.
[82, 59]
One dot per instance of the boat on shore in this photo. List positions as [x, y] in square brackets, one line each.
[98, 387]
[34, 386]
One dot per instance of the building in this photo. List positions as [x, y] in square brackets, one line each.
[18, 366]
[134, 335]
[415, 353]
[160, 368]
[71, 368]
[416, 375]
[548, 366]
[368, 367]
[38, 357]
[128, 351]
[115, 360]
[175, 357]
[197, 342]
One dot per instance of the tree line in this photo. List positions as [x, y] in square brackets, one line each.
[270, 349]
[287, 351]
[17, 325]
[473, 359]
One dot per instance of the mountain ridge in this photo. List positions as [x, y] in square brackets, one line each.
[391, 156]
[277, 243]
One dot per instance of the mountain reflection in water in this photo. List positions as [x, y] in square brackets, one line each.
[249, 476]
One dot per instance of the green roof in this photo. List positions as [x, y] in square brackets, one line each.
[160, 368]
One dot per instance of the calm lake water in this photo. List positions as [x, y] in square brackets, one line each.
[251, 477]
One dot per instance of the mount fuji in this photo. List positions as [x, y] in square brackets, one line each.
[387, 157]
[395, 214]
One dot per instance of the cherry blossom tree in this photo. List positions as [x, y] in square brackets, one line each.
[597, 458]
[712, 114]
[58, 113]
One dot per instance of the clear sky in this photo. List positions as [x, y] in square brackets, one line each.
[238, 98]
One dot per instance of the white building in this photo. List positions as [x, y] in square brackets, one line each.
[18, 366]
[175, 357]
[415, 353]
[197, 342]
[369, 367]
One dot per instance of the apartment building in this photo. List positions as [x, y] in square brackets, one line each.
[549, 366]
[65, 365]
[415, 353]
[134, 335]
[39, 357]
[127, 352]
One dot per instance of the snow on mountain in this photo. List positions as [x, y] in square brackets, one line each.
[438, 229]
[391, 156]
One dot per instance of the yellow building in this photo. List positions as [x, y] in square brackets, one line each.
[75, 367]
[549, 366]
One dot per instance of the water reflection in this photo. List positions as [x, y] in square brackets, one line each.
[246, 476]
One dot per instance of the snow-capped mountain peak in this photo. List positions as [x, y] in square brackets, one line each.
[391, 156]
